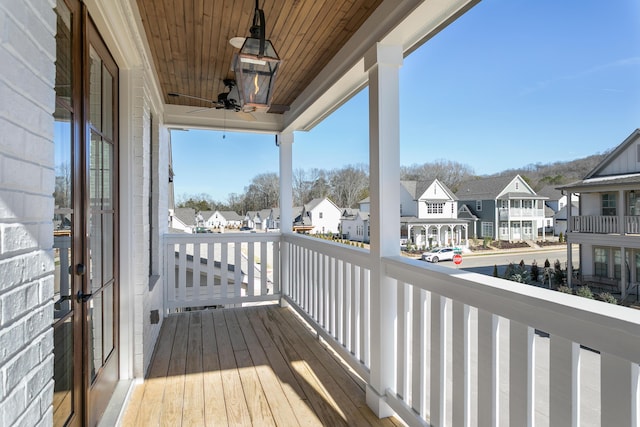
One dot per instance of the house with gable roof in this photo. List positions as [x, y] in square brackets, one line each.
[183, 219]
[506, 207]
[607, 227]
[429, 215]
[319, 216]
[554, 205]
[354, 225]
[226, 219]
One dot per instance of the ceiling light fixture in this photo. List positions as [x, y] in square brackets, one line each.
[256, 66]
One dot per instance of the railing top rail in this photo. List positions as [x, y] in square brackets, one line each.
[221, 237]
[350, 254]
[595, 324]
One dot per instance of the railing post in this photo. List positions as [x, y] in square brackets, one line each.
[285, 143]
[382, 63]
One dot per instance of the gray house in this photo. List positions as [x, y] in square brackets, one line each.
[507, 208]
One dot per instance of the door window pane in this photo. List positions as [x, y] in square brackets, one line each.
[107, 103]
[95, 91]
[63, 371]
[108, 320]
[94, 317]
[64, 63]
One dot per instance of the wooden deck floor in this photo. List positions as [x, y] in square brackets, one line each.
[255, 366]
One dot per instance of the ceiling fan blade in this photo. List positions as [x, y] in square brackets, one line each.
[278, 108]
[192, 97]
[198, 110]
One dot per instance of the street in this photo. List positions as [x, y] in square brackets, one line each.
[483, 263]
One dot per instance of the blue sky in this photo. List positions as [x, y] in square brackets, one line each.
[510, 83]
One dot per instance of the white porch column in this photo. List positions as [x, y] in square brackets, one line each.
[622, 230]
[382, 63]
[285, 143]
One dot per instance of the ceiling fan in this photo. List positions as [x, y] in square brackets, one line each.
[226, 100]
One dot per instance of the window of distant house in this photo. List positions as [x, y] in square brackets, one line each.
[515, 203]
[617, 264]
[435, 208]
[487, 229]
[527, 204]
[608, 204]
[478, 205]
[601, 262]
[517, 185]
[320, 215]
[503, 204]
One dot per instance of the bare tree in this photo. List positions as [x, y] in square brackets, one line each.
[349, 185]
[263, 192]
[450, 173]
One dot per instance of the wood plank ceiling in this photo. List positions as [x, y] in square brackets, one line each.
[189, 41]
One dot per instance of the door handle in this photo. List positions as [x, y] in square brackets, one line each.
[82, 297]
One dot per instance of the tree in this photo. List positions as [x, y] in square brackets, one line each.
[450, 173]
[199, 202]
[349, 185]
[263, 192]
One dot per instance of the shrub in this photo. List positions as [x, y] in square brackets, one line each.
[495, 270]
[535, 272]
[517, 273]
[564, 289]
[558, 275]
[485, 242]
[547, 264]
[561, 237]
[521, 264]
[607, 297]
[585, 292]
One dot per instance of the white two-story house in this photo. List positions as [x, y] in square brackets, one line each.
[507, 207]
[607, 227]
[429, 215]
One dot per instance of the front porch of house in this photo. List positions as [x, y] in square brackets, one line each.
[247, 366]
[463, 349]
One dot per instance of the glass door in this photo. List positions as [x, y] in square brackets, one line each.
[100, 293]
[85, 221]
[67, 222]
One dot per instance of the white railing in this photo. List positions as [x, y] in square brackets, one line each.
[329, 287]
[602, 224]
[632, 224]
[204, 270]
[511, 213]
[457, 331]
[468, 348]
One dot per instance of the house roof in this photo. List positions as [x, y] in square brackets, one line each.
[487, 188]
[186, 215]
[230, 215]
[491, 188]
[597, 178]
[550, 192]
[631, 139]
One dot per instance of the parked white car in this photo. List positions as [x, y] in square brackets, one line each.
[440, 254]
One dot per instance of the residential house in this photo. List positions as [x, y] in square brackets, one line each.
[183, 219]
[270, 219]
[252, 220]
[560, 218]
[429, 215]
[555, 202]
[84, 308]
[354, 225]
[319, 216]
[506, 206]
[224, 219]
[607, 227]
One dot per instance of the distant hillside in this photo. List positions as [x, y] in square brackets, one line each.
[557, 173]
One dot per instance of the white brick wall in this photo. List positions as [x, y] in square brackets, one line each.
[27, 53]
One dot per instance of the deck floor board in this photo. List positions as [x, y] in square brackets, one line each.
[246, 366]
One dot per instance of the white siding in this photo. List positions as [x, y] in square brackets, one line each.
[625, 162]
[27, 52]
